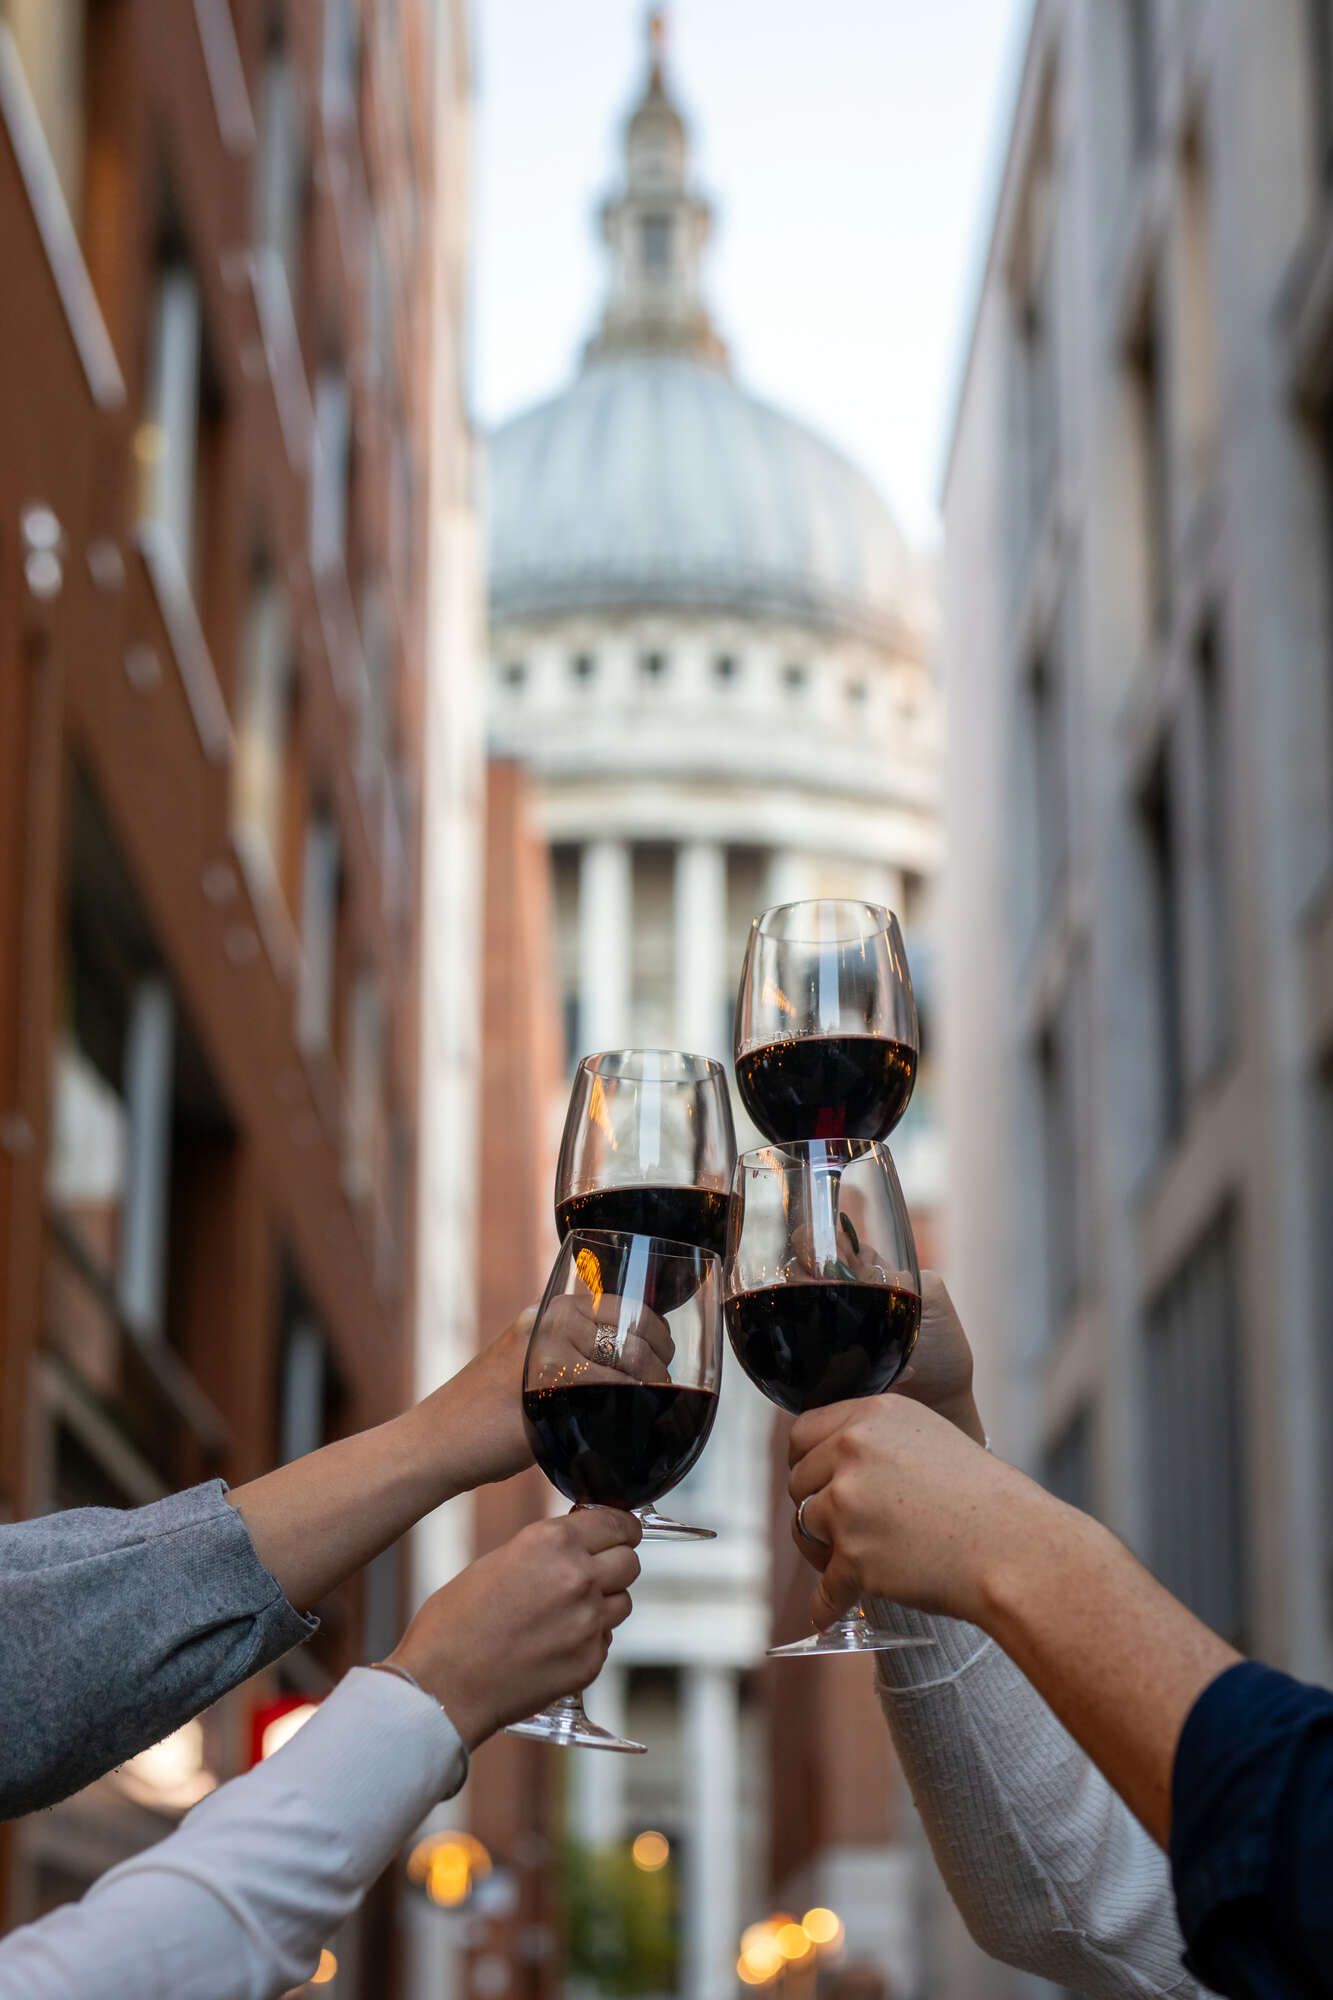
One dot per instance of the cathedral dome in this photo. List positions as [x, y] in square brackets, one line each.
[656, 481]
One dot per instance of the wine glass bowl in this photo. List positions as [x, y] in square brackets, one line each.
[827, 1036]
[822, 1293]
[649, 1146]
[620, 1389]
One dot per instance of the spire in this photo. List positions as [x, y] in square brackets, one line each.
[655, 227]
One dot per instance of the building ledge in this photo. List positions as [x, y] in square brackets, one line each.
[55, 227]
[189, 648]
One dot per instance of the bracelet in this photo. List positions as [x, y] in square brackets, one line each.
[392, 1667]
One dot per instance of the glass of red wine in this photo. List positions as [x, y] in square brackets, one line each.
[620, 1389]
[826, 1026]
[649, 1146]
[823, 1295]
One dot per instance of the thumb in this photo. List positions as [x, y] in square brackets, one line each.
[836, 1592]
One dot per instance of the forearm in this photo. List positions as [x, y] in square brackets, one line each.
[1118, 1659]
[1048, 1869]
[321, 1518]
[261, 1875]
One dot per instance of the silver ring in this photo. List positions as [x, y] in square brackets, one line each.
[604, 1346]
[801, 1528]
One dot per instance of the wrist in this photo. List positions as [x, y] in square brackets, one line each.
[1042, 1550]
[445, 1683]
[961, 1411]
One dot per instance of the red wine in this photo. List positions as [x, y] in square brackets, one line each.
[827, 1086]
[618, 1444]
[805, 1345]
[693, 1215]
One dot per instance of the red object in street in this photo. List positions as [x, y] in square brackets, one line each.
[264, 1738]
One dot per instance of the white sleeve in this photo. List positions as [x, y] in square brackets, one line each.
[237, 1902]
[1050, 1870]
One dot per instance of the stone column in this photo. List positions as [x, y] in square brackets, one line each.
[790, 877]
[701, 936]
[606, 918]
[712, 1903]
[599, 1775]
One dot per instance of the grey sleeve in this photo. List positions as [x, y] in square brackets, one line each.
[1047, 1865]
[117, 1627]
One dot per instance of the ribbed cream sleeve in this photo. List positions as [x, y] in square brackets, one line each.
[1047, 1865]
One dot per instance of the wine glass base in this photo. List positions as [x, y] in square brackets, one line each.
[569, 1732]
[843, 1639]
[662, 1528]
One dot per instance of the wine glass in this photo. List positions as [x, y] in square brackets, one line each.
[826, 1027]
[823, 1295]
[620, 1388]
[649, 1145]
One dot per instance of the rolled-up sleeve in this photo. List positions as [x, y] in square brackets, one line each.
[238, 1901]
[116, 1627]
[1252, 1835]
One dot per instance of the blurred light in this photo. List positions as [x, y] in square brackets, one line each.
[447, 1865]
[822, 1926]
[283, 1727]
[650, 1851]
[42, 573]
[588, 1266]
[171, 1774]
[150, 443]
[326, 1970]
[599, 1114]
[751, 1972]
[792, 1941]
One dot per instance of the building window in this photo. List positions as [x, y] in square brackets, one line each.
[263, 723]
[1067, 1471]
[1159, 832]
[321, 897]
[1141, 65]
[365, 1087]
[1034, 390]
[653, 666]
[331, 469]
[1196, 1476]
[279, 176]
[1061, 1162]
[167, 442]
[1153, 442]
[1321, 27]
[725, 667]
[1216, 985]
[655, 243]
[1049, 810]
[338, 78]
[303, 1391]
[583, 666]
[794, 678]
[514, 674]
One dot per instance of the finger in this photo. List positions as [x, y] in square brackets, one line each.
[599, 1528]
[615, 1610]
[816, 1425]
[817, 1554]
[616, 1569]
[812, 1473]
[836, 1592]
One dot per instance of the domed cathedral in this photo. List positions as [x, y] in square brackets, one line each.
[711, 647]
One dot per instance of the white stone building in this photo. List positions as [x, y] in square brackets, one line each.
[1138, 910]
[711, 646]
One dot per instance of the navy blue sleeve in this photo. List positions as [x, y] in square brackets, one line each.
[1252, 1836]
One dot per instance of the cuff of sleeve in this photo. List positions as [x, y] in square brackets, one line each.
[953, 1647]
[225, 1571]
[382, 1753]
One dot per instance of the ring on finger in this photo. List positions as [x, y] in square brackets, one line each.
[801, 1528]
[604, 1346]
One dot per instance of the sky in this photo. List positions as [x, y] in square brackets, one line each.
[851, 148]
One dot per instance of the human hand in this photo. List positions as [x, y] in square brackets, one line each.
[907, 1508]
[939, 1373]
[531, 1621]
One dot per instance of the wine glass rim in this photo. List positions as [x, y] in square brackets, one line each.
[756, 1158]
[706, 1067]
[660, 1246]
[889, 920]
